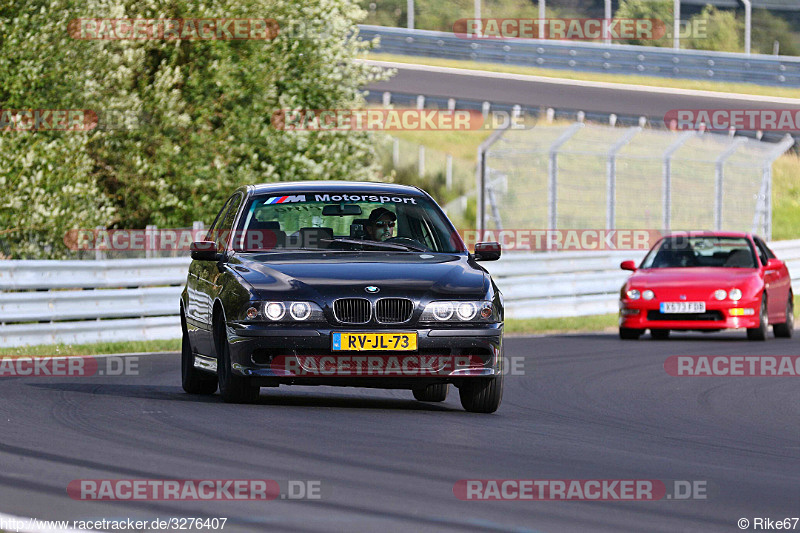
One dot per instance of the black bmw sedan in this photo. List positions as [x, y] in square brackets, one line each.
[340, 283]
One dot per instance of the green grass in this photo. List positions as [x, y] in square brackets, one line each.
[173, 345]
[522, 326]
[652, 81]
[786, 197]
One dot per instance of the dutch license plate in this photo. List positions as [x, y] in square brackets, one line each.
[359, 342]
[683, 307]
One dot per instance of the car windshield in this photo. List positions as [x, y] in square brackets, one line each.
[344, 222]
[706, 251]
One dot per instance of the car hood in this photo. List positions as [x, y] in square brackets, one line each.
[311, 275]
[704, 277]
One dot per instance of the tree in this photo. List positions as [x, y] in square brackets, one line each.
[768, 28]
[648, 9]
[197, 113]
[723, 32]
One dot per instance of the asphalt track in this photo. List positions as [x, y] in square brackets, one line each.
[587, 407]
[590, 97]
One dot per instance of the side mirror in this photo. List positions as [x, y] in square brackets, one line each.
[628, 265]
[204, 251]
[487, 251]
[774, 264]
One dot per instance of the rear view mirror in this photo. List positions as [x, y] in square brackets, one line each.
[774, 264]
[341, 210]
[628, 265]
[487, 251]
[204, 251]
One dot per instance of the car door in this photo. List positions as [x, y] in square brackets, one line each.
[208, 273]
[776, 282]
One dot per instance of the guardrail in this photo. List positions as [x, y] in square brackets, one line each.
[592, 57]
[74, 302]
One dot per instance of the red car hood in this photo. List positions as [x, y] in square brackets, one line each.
[693, 278]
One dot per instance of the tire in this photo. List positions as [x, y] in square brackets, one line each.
[194, 381]
[630, 334]
[786, 329]
[760, 333]
[481, 395]
[232, 388]
[431, 393]
[659, 334]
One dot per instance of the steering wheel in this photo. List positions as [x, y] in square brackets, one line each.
[409, 241]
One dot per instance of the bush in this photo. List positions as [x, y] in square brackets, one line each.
[198, 114]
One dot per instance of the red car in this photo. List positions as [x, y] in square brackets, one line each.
[707, 281]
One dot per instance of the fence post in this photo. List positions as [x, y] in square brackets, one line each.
[395, 152]
[387, 99]
[198, 225]
[666, 171]
[611, 175]
[552, 172]
[448, 172]
[480, 176]
[421, 161]
[99, 254]
[719, 178]
[786, 143]
[420, 101]
[149, 240]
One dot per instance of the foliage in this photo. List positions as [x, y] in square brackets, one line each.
[768, 28]
[647, 9]
[723, 32]
[196, 113]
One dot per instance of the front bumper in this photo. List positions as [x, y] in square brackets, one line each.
[264, 352]
[642, 314]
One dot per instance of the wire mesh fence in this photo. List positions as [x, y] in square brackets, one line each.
[593, 176]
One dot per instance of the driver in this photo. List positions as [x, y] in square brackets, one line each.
[380, 226]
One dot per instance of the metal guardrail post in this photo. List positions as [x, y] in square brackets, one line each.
[480, 175]
[611, 175]
[719, 177]
[552, 173]
[786, 143]
[448, 172]
[666, 171]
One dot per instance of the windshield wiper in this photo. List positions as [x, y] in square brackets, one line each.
[376, 244]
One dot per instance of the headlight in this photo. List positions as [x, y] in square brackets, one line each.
[648, 294]
[720, 294]
[735, 294]
[274, 310]
[300, 310]
[459, 311]
[284, 312]
[467, 311]
[633, 294]
[442, 310]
